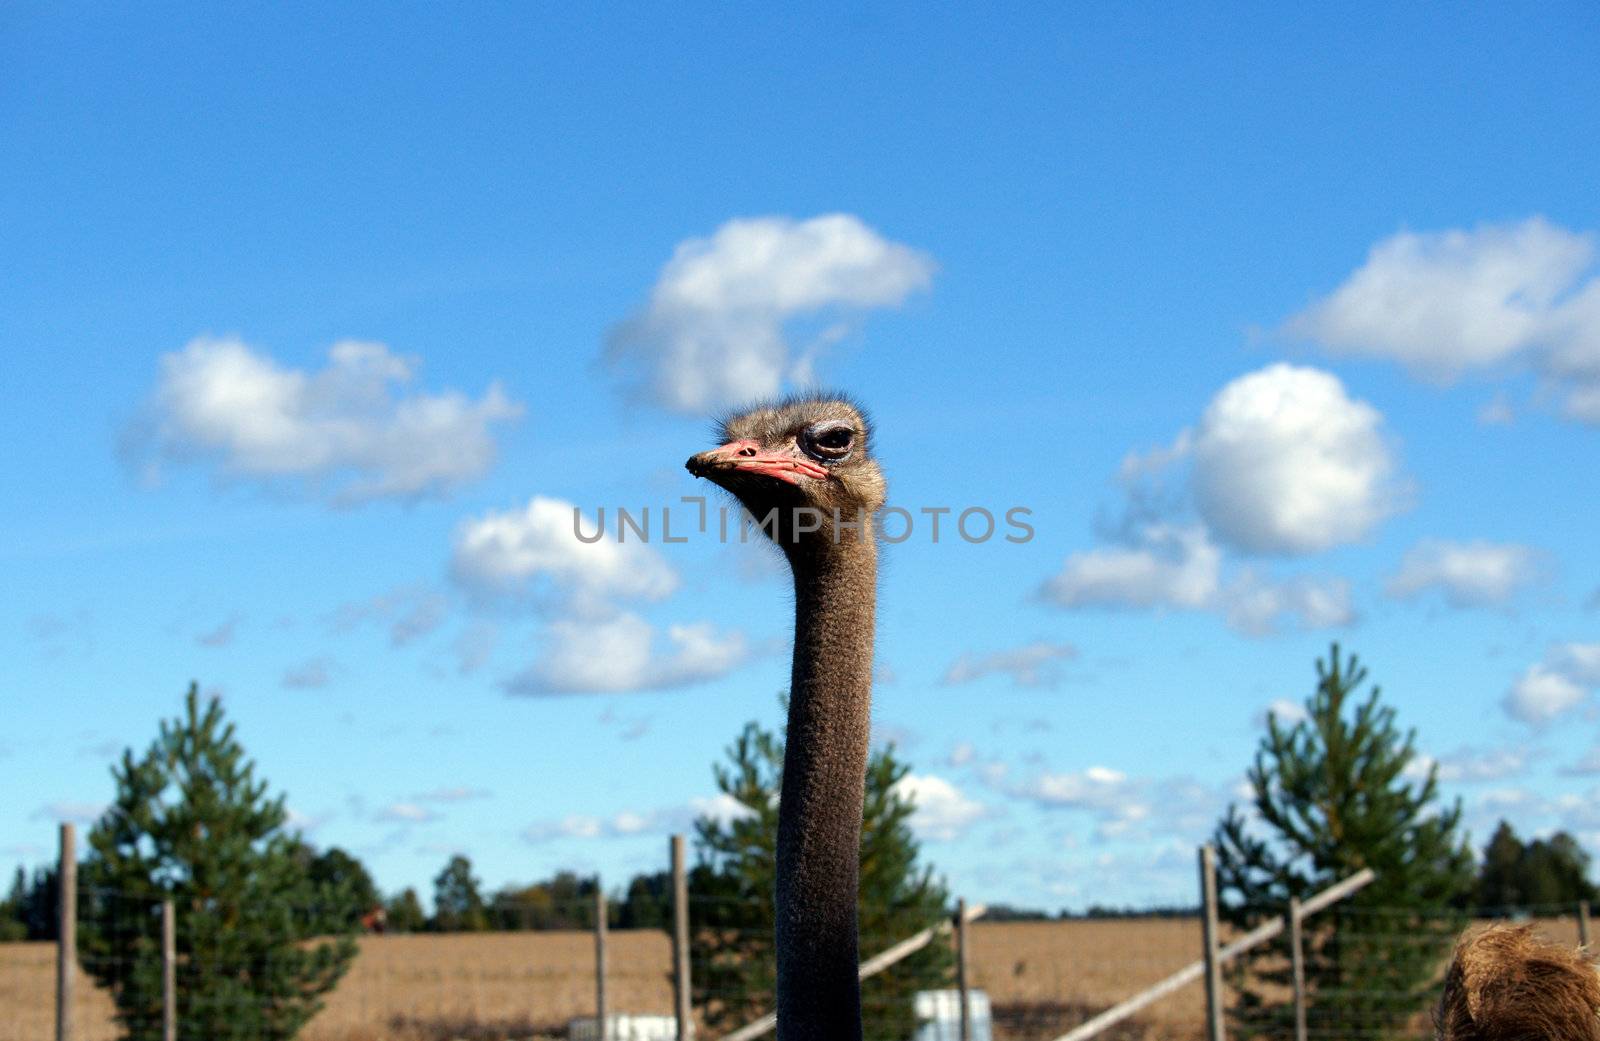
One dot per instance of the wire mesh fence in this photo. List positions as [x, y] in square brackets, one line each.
[536, 972]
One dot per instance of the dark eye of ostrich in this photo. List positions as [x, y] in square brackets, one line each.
[828, 442]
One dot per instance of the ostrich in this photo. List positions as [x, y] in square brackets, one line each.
[1505, 985]
[802, 468]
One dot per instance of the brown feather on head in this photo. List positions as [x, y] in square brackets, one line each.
[1505, 984]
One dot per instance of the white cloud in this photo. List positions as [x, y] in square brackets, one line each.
[1540, 695]
[623, 653]
[1287, 712]
[1555, 686]
[722, 808]
[941, 811]
[457, 793]
[81, 812]
[1442, 303]
[1256, 606]
[1166, 566]
[1561, 682]
[1031, 665]
[347, 433]
[713, 332]
[1482, 764]
[520, 552]
[406, 813]
[1284, 461]
[1466, 574]
[629, 823]
[573, 826]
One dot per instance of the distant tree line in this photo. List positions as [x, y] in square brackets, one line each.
[565, 900]
[1513, 876]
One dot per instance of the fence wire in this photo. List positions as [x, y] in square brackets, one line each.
[1032, 980]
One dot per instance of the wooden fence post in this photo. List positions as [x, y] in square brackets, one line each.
[1208, 932]
[1298, 964]
[961, 970]
[67, 931]
[1583, 923]
[601, 1033]
[169, 973]
[680, 942]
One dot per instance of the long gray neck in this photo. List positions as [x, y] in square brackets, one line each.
[824, 775]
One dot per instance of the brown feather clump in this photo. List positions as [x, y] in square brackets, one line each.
[1505, 985]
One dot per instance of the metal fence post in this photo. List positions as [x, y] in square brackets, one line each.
[169, 973]
[66, 930]
[1583, 923]
[601, 1033]
[1209, 930]
[680, 942]
[1298, 964]
[961, 970]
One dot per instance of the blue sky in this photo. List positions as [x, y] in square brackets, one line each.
[1285, 327]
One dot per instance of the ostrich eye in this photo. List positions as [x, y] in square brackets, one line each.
[829, 444]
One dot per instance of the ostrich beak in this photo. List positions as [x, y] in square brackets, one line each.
[747, 456]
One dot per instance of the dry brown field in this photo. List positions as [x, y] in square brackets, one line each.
[1042, 977]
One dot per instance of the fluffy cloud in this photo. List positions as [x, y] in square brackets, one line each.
[1257, 606]
[714, 330]
[1287, 712]
[1284, 461]
[1167, 566]
[1443, 303]
[1031, 665]
[623, 653]
[1466, 574]
[1122, 806]
[1563, 681]
[347, 433]
[522, 552]
[941, 811]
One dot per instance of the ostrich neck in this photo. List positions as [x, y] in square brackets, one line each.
[824, 775]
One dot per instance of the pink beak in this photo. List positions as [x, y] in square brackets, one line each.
[747, 455]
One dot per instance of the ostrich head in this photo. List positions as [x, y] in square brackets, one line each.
[808, 457]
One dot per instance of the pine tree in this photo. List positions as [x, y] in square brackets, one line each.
[1332, 794]
[191, 822]
[732, 886]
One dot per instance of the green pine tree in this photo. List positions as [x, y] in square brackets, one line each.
[192, 823]
[1332, 795]
[732, 886]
